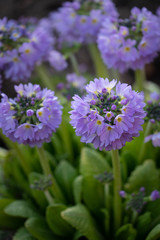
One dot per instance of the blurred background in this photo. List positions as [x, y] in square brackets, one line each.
[41, 8]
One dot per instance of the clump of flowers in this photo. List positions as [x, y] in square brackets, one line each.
[137, 200]
[24, 46]
[80, 20]
[108, 117]
[153, 115]
[75, 85]
[130, 43]
[32, 116]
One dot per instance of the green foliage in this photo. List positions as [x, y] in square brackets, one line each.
[126, 232]
[21, 208]
[23, 234]
[145, 175]
[143, 224]
[77, 189]
[80, 218]
[65, 175]
[154, 234]
[38, 195]
[38, 228]
[7, 221]
[56, 223]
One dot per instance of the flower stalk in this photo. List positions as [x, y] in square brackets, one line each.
[56, 191]
[117, 208]
[100, 68]
[140, 79]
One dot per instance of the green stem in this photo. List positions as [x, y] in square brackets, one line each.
[48, 197]
[21, 157]
[100, 68]
[43, 75]
[140, 80]
[144, 145]
[55, 189]
[117, 208]
[74, 64]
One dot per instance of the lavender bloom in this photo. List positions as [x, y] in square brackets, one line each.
[130, 43]
[80, 21]
[97, 122]
[75, 85]
[155, 195]
[57, 60]
[155, 139]
[28, 123]
[122, 194]
[23, 46]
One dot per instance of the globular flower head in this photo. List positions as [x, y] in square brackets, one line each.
[32, 116]
[155, 195]
[153, 115]
[75, 85]
[98, 122]
[80, 21]
[130, 43]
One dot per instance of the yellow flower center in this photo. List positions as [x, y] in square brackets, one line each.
[73, 14]
[144, 44]
[124, 32]
[119, 119]
[15, 59]
[15, 34]
[127, 49]
[3, 28]
[124, 109]
[145, 29]
[99, 122]
[27, 51]
[94, 20]
[83, 20]
[40, 114]
[109, 128]
[27, 126]
[109, 115]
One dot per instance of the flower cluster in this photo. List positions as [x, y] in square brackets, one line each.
[136, 201]
[105, 117]
[75, 85]
[32, 116]
[130, 43]
[22, 47]
[153, 115]
[80, 20]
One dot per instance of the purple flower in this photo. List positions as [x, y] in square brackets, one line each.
[80, 22]
[155, 139]
[130, 43]
[155, 195]
[112, 128]
[122, 194]
[29, 123]
[57, 60]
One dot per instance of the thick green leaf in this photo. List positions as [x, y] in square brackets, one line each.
[39, 229]
[143, 224]
[23, 234]
[154, 234]
[154, 209]
[56, 223]
[21, 208]
[7, 221]
[65, 175]
[37, 194]
[126, 232]
[92, 162]
[80, 218]
[145, 175]
[93, 194]
[77, 189]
